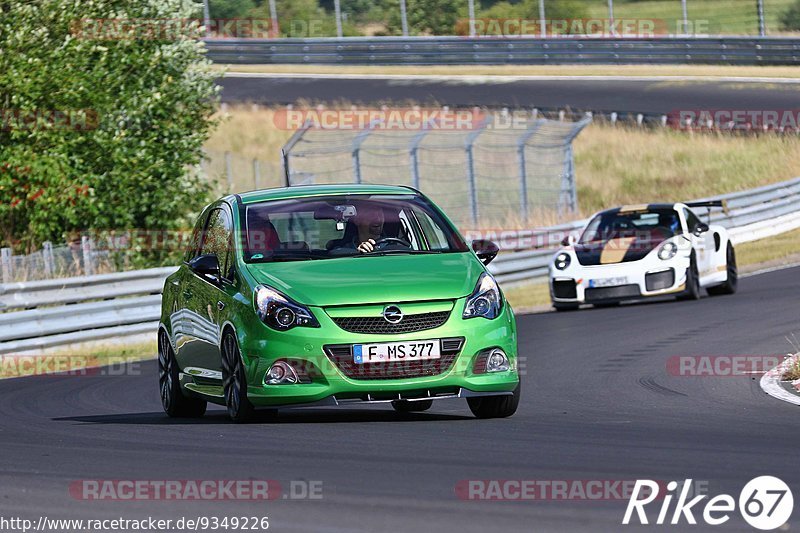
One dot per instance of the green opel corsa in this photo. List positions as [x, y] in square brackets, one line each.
[331, 295]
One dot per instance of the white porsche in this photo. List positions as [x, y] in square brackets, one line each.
[639, 251]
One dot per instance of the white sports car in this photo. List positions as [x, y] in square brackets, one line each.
[639, 251]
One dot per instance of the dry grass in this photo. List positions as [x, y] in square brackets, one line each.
[773, 251]
[614, 165]
[528, 70]
[793, 372]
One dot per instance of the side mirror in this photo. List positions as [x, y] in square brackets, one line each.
[206, 265]
[569, 240]
[700, 229]
[485, 250]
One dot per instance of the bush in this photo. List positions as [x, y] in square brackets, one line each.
[101, 125]
[790, 19]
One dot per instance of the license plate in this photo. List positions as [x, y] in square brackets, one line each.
[608, 282]
[396, 351]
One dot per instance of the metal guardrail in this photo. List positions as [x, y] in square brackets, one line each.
[493, 51]
[60, 312]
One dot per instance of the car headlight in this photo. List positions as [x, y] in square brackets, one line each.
[280, 312]
[562, 261]
[485, 301]
[667, 251]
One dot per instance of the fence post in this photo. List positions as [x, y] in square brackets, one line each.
[569, 192]
[286, 151]
[88, 258]
[228, 172]
[257, 173]
[523, 172]
[471, 181]
[762, 25]
[47, 259]
[357, 142]
[685, 17]
[5, 258]
[413, 151]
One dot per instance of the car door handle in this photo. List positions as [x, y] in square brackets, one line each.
[220, 306]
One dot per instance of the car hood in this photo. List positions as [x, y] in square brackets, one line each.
[372, 279]
[621, 250]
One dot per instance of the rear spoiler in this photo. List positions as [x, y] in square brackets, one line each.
[709, 204]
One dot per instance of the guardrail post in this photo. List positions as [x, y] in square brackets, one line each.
[228, 172]
[5, 259]
[88, 258]
[257, 173]
[47, 259]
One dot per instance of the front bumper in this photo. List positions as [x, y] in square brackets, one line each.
[331, 386]
[645, 278]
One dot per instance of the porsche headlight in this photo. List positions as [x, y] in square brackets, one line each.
[562, 261]
[667, 251]
[280, 312]
[485, 301]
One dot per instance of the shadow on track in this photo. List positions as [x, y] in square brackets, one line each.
[289, 416]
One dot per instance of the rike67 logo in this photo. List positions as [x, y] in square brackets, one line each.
[765, 503]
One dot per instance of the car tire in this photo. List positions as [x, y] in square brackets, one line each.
[732, 283]
[173, 401]
[494, 406]
[234, 382]
[565, 307]
[403, 406]
[692, 291]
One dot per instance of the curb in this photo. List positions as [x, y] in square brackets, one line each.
[771, 382]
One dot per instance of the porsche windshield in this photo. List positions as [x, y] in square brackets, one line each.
[653, 225]
[336, 226]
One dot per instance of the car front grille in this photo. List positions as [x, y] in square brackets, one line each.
[612, 293]
[656, 281]
[565, 288]
[342, 356]
[377, 325]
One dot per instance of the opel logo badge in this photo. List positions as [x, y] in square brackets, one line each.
[392, 314]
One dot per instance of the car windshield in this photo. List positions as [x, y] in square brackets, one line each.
[334, 226]
[650, 225]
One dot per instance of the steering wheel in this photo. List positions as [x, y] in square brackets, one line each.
[392, 240]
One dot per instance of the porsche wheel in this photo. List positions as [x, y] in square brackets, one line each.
[692, 291]
[732, 283]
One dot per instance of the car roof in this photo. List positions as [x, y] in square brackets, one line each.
[303, 191]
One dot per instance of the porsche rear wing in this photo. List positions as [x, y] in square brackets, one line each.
[709, 204]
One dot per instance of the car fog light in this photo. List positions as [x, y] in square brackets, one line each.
[281, 373]
[497, 361]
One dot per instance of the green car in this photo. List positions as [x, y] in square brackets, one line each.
[331, 295]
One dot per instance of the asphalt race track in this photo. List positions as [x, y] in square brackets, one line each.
[622, 96]
[598, 404]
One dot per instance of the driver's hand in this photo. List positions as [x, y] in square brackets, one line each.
[367, 246]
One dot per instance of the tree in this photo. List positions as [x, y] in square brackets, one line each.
[432, 17]
[104, 108]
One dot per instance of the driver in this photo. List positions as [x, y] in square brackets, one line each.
[369, 221]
